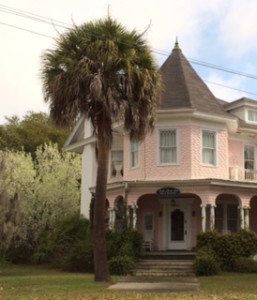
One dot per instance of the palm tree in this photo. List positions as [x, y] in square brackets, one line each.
[102, 71]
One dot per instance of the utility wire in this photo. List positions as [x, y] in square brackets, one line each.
[27, 30]
[229, 87]
[27, 14]
[54, 22]
[46, 20]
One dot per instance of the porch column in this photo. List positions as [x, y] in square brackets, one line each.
[111, 218]
[247, 221]
[203, 206]
[242, 219]
[134, 216]
[212, 216]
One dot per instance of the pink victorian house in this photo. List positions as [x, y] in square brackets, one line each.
[195, 172]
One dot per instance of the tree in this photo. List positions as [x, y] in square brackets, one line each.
[16, 185]
[36, 195]
[28, 133]
[107, 73]
[56, 191]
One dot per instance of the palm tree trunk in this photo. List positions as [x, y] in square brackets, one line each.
[99, 233]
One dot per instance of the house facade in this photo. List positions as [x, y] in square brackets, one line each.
[195, 172]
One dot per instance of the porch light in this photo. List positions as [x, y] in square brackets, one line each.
[173, 202]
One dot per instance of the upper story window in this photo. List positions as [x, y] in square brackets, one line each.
[252, 116]
[249, 162]
[134, 153]
[168, 146]
[117, 163]
[209, 147]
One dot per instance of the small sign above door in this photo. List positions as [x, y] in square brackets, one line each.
[167, 192]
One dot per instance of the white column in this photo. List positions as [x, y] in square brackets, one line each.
[111, 218]
[242, 219]
[247, 220]
[134, 216]
[212, 216]
[203, 217]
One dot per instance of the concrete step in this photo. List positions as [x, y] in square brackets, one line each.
[164, 268]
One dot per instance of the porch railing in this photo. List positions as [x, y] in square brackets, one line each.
[236, 173]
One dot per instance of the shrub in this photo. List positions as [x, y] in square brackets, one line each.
[205, 263]
[127, 243]
[245, 265]
[80, 257]
[229, 247]
[19, 253]
[121, 265]
[68, 247]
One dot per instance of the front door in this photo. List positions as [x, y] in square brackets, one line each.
[178, 228]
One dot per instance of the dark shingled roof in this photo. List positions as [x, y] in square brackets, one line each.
[183, 88]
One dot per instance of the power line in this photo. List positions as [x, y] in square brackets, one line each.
[30, 15]
[39, 18]
[27, 30]
[229, 87]
[46, 20]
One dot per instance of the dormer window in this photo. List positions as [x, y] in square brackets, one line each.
[252, 116]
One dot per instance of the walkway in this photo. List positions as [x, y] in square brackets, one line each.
[175, 284]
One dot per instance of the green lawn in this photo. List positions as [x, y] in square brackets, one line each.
[38, 283]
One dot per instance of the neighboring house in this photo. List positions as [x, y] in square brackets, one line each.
[196, 171]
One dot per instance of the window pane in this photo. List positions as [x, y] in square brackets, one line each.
[249, 161]
[117, 155]
[134, 154]
[252, 116]
[232, 213]
[219, 218]
[148, 222]
[208, 148]
[168, 147]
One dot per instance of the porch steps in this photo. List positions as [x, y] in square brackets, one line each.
[170, 255]
[165, 264]
[164, 268]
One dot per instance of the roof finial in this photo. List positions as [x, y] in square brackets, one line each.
[176, 44]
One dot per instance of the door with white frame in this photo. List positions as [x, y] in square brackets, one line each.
[179, 228]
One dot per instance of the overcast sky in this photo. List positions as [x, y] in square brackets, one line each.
[216, 32]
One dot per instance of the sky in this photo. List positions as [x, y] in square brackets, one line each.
[218, 37]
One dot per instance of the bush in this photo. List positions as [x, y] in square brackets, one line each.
[127, 243]
[19, 253]
[229, 247]
[80, 258]
[205, 263]
[121, 265]
[68, 247]
[245, 265]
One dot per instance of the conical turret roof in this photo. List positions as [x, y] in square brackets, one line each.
[183, 88]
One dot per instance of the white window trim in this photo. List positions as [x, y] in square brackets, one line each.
[247, 115]
[216, 148]
[110, 162]
[254, 149]
[138, 160]
[159, 163]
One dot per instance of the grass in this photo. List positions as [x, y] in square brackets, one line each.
[44, 283]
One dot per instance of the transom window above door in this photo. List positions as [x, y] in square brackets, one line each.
[168, 146]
